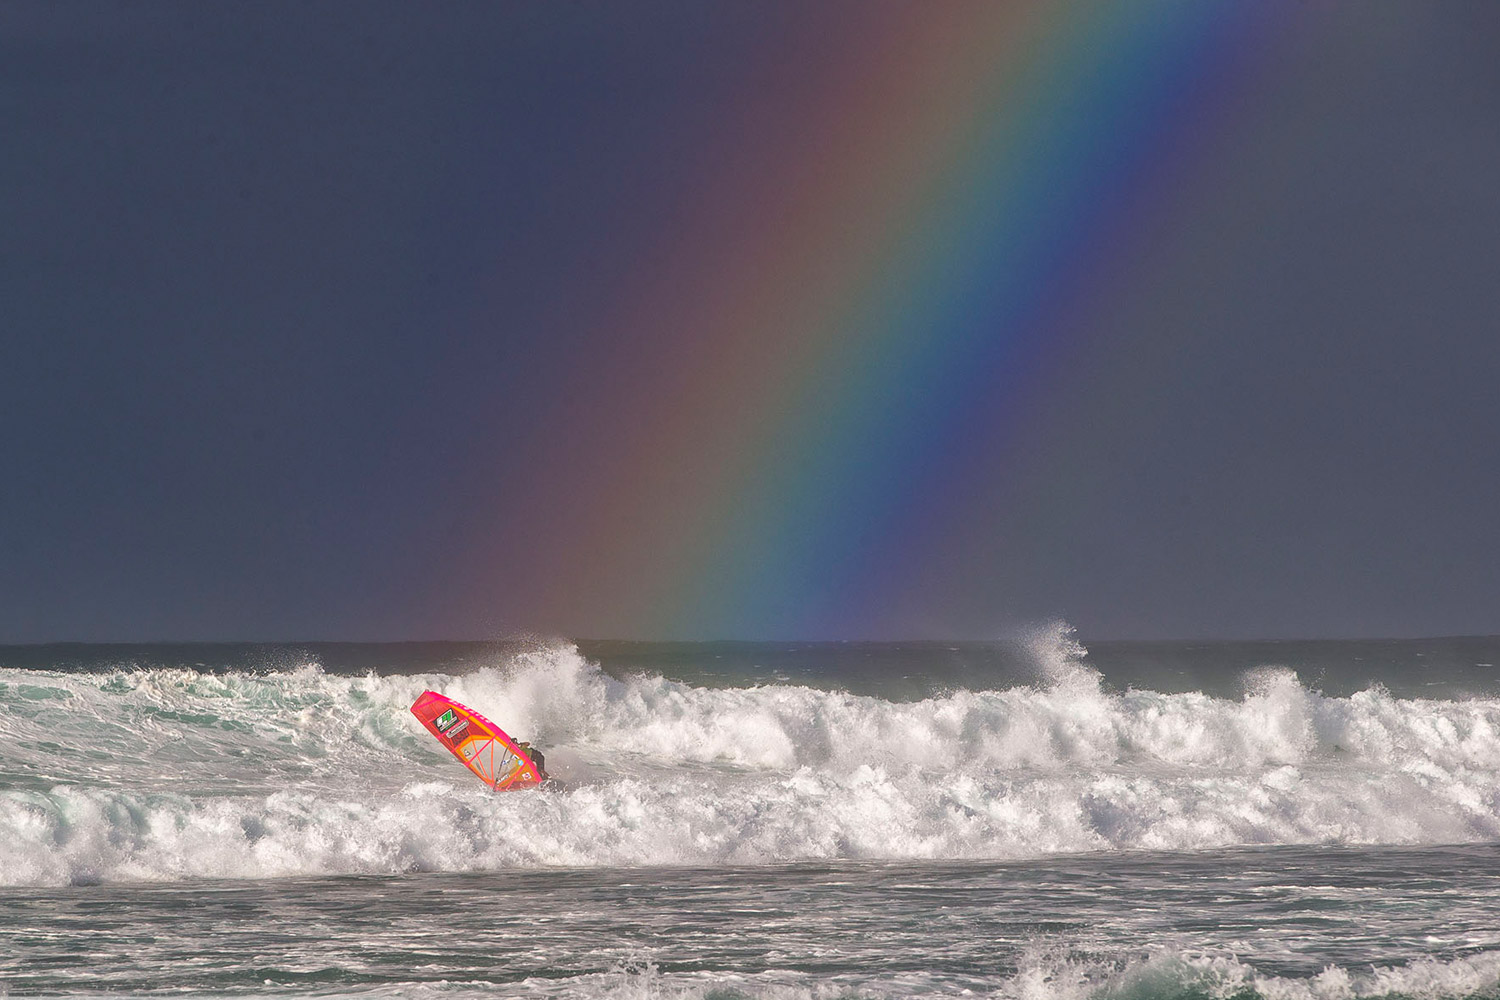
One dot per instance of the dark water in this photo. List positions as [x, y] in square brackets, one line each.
[1453, 666]
[1022, 819]
[1223, 922]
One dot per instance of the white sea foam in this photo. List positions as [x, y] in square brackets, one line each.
[1044, 974]
[170, 774]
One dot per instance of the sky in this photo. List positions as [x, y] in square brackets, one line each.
[835, 320]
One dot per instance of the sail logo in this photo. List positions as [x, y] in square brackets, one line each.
[445, 720]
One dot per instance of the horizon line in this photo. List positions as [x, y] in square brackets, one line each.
[538, 638]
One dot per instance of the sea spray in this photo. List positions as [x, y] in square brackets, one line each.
[169, 773]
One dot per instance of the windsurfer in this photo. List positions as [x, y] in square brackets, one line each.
[537, 758]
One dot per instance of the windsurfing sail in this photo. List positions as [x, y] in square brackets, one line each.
[478, 743]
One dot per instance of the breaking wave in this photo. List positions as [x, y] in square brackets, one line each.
[1044, 974]
[169, 774]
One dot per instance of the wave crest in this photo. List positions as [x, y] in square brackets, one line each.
[168, 774]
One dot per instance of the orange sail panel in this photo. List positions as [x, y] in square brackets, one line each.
[478, 743]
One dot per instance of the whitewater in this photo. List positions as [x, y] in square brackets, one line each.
[162, 774]
[1049, 829]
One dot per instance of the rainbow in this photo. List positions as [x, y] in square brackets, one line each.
[819, 370]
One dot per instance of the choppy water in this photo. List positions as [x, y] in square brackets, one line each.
[1019, 819]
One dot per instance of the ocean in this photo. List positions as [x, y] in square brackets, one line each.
[1026, 818]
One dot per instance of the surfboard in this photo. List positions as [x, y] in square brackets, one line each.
[478, 743]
